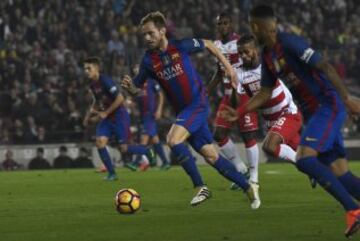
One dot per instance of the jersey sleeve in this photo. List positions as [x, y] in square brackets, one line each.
[192, 45]
[302, 49]
[141, 77]
[111, 87]
[268, 79]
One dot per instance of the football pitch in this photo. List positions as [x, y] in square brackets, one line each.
[77, 205]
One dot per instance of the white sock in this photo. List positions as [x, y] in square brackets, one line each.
[287, 153]
[252, 154]
[230, 152]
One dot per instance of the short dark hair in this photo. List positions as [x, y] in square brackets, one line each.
[262, 11]
[246, 38]
[40, 150]
[225, 15]
[63, 149]
[156, 17]
[93, 60]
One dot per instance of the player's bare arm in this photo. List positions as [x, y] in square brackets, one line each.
[116, 104]
[160, 106]
[215, 80]
[229, 71]
[258, 100]
[128, 84]
[352, 104]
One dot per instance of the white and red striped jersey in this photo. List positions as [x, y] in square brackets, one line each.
[229, 49]
[281, 99]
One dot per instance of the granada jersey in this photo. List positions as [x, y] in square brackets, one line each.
[105, 92]
[229, 49]
[173, 70]
[293, 60]
[281, 100]
[147, 98]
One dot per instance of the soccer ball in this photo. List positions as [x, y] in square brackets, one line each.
[127, 201]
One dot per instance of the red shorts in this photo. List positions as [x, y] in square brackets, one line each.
[288, 126]
[248, 122]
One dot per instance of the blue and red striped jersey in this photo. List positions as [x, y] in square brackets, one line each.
[174, 71]
[105, 92]
[147, 98]
[293, 61]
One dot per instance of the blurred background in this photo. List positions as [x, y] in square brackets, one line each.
[43, 92]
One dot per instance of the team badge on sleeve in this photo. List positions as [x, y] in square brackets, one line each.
[307, 55]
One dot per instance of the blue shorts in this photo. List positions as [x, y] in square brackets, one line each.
[194, 119]
[148, 126]
[118, 125]
[323, 131]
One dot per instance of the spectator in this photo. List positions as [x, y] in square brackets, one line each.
[63, 160]
[83, 160]
[39, 162]
[9, 164]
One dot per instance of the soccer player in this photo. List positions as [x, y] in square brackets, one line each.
[114, 118]
[168, 62]
[323, 100]
[151, 103]
[248, 124]
[283, 121]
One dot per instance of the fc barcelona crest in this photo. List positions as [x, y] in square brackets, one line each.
[165, 59]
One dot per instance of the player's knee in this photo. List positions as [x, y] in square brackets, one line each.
[172, 141]
[100, 142]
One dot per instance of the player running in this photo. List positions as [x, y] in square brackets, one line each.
[323, 100]
[283, 121]
[114, 118]
[168, 62]
[248, 124]
[150, 102]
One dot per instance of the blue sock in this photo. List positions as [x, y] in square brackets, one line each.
[312, 167]
[351, 183]
[158, 147]
[106, 159]
[137, 149]
[187, 161]
[228, 170]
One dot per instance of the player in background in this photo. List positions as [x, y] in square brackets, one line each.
[114, 118]
[323, 100]
[168, 62]
[282, 118]
[248, 124]
[150, 102]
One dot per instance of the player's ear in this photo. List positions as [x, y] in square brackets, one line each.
[163, 30]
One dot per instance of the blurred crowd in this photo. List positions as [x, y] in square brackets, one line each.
[43, 92]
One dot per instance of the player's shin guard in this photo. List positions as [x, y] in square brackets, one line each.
[312, 167]
[231, 152]
[228, 170]
[351, 183]
[187, 161]
[158, 147]
[252, 153]
[106, 159]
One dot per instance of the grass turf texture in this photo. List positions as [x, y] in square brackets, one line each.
[79, 205]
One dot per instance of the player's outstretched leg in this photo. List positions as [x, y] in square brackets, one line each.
[140, 150]
[159, 150]
[228, 170]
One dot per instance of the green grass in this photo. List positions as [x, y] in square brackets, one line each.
[77, 205]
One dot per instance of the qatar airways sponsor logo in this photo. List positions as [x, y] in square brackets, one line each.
[170, 72]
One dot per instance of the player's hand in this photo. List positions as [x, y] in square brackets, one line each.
[103, 114]
[353, 106]
[229, 114]
[158, 115]
[231, 74]
[126, 82]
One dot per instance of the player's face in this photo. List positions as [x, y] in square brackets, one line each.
[263, 29]
[224, 26]
[249, 54]
[152, 35]
[91, 71]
